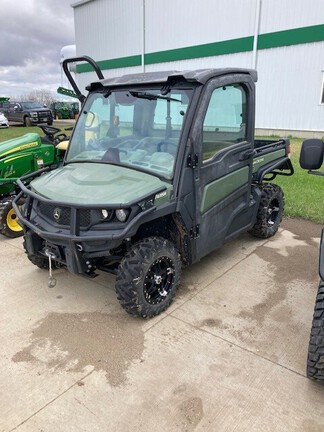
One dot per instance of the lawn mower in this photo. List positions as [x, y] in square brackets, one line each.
[19, 157]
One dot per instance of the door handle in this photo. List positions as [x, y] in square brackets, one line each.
[247, 155]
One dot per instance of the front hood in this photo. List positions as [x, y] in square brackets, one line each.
[23, 143]
[94, 183]
[38, 109]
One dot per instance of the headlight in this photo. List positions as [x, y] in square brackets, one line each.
[106, 214]
[122, 214]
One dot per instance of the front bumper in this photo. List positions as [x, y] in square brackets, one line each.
[71, 244]
[41, 117]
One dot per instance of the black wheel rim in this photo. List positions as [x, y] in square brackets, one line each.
[159, 280]
[273, 212]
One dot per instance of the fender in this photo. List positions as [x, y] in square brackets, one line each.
[281, 164]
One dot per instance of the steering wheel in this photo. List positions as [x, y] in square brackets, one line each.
[60, 137]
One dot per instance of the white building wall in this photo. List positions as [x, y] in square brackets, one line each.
[106, 29]
[289, 14]
[175, 23]
[290, 77]
[289, 86]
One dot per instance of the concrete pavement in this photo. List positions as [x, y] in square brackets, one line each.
[228, 355]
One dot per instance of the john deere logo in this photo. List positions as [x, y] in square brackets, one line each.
[57, 214]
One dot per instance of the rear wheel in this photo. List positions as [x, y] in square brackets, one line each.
[148, 277]
[270, 211]
[315, 360]
[9, 225]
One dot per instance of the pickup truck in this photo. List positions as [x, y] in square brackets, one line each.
[162, 168]
[27, 112]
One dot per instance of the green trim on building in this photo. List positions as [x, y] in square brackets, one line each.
[207, 50]
[112, 64]
[291, 37]
[277, 39]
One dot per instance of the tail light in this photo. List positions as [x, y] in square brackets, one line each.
[288, 150]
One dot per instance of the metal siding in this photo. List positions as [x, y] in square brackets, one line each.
[290, 77]
[174, 23]
[289, 87]
[288, 14]
[109, 29]
[236, 60]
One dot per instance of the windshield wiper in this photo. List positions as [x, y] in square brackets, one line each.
[151, 96]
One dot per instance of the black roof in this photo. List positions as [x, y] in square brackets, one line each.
[200, 76]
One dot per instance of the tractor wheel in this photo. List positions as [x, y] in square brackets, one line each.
[27, 121]
[270, 211]
[315, 359]
[148, 277]
[9, 225]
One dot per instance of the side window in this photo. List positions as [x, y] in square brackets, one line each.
[225, 120]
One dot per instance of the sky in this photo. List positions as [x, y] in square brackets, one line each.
[32, 34]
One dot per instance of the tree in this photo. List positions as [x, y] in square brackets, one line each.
[44, 97]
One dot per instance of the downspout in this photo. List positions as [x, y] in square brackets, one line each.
[256, 34]
[143, 37]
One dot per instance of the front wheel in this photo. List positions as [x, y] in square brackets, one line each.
[9, 225]
[315, 359]
[270, 211]
[27, 121]
[148, 277]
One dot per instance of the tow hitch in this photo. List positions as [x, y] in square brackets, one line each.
[51, 280]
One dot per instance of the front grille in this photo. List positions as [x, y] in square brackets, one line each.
[62, 215]
[44, 114]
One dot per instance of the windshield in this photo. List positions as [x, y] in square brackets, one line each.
[31, 105]
[138, 129]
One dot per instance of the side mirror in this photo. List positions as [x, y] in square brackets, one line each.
[312, 154]
[91, 120]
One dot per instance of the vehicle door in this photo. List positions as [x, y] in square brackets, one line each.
[223, 146]
[4, 108]
[15, 111]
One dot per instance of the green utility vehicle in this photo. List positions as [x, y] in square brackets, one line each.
[21, 156]
[311, 158]
[170, 172]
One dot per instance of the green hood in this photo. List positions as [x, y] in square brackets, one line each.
[94, 183]
[23, 143]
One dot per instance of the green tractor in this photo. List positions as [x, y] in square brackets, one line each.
[20, 157]
[65, 110]
[62, 110]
